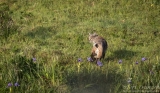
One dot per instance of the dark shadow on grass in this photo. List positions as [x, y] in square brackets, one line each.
[94, 82]
[121, 54]
[41, 33]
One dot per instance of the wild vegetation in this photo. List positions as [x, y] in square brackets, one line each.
[44, 46]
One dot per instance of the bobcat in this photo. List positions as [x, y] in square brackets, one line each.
[99, 46]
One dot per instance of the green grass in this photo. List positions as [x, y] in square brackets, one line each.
[55, 32]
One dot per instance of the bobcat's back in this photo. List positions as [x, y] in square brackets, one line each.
[99, 46]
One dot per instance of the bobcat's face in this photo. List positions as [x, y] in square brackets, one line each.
[92, 36]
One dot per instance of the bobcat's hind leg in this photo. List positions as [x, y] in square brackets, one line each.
[93, 57]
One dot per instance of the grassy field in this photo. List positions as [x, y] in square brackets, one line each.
[42, 40]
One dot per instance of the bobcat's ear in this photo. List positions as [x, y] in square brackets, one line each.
[89, 34]
[94, 34]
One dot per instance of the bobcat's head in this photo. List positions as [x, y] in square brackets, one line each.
[92, 36]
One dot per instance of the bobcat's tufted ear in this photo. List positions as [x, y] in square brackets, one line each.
[89, 34]
[94, 34]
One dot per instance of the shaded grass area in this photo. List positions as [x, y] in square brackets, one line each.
[39, 50]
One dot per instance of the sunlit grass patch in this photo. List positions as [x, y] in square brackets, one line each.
[49, 50]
